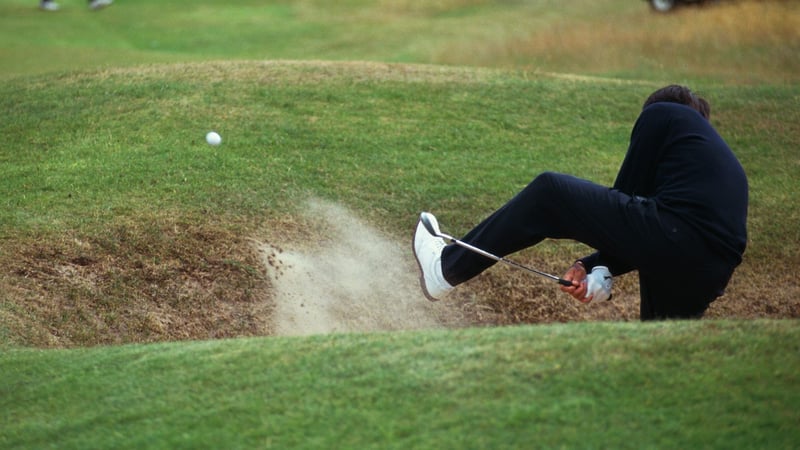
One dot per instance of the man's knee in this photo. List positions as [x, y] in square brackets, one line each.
[553, 190]
[546, 180]
[545, 185]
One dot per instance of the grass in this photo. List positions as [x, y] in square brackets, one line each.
[140, 146]
[132, 207]
[748, 41]
[691, 384]
[122, 232]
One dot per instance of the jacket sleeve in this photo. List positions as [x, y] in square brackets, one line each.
[598, 259]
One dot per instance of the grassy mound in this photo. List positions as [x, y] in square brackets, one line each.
[743, 42]
[122, 225]
[709, 384]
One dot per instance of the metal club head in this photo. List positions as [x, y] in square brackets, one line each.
[430, 223]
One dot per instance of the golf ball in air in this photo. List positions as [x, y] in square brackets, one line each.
[213, 138]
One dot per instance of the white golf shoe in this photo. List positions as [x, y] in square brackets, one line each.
[428, 252]
[99, 4]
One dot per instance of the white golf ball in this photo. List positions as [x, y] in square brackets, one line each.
[213, 138]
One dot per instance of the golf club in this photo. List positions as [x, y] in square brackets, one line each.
[433, 229]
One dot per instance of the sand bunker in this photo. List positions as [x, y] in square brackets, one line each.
[355, 281]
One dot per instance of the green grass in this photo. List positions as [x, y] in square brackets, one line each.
[139, 147]
[749, 41]
[132, 141]
[671, 385]
[113, 208]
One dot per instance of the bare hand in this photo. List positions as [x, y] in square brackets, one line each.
[576, 274]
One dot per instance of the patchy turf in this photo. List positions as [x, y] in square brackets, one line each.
[132, 229]
[164, 279]
[154, 279]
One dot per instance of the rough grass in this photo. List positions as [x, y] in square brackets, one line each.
[163, 252]
[69, 282]
[730, 42]
[152, 279]
[739, 41]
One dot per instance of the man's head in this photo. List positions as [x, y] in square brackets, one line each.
[680, 94]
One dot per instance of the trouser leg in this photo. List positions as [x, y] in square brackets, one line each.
[681, 296]
[556, 206]
[672, 299]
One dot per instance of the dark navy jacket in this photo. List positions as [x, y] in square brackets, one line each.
[679, 161]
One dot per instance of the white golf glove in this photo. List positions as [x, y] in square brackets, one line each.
[598, 284]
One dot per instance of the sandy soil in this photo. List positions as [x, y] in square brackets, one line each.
[355, 280]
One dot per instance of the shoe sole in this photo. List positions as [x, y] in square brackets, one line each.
[421, 272]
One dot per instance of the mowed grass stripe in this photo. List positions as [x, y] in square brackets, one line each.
[682, 384]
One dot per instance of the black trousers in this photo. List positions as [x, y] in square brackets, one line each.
[679, 275]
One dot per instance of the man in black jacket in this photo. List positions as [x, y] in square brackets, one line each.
[677, 213]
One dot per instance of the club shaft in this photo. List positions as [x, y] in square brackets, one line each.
[503, 260]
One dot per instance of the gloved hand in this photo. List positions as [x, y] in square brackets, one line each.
[598, 284]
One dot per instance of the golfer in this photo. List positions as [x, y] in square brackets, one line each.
[676, 213]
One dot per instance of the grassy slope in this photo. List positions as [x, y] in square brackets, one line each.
[133, 140]
[670, 385]
[748, 41]
[115, 212]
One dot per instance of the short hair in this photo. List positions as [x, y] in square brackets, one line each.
[680, 94]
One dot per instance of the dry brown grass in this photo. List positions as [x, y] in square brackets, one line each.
[735, 41]
[507, 296]
[154, 280]
[162, 279]
[425, 7]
